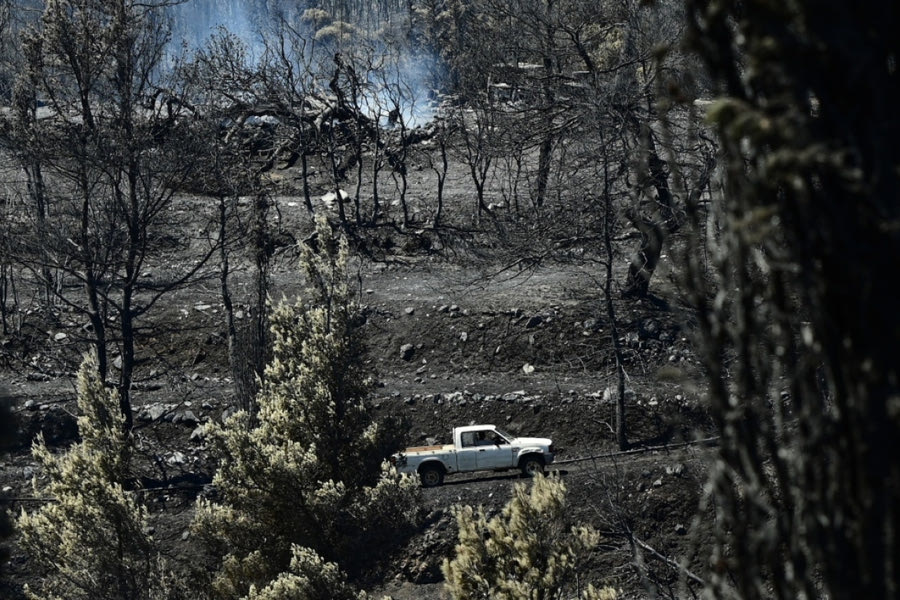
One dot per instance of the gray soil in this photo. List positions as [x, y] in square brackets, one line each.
[529, 351]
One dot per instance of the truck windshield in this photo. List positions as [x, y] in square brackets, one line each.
[504, 435]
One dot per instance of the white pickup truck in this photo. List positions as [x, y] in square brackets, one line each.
[476, 448]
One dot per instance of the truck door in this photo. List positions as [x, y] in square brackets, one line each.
[497, 455]
[466, 454]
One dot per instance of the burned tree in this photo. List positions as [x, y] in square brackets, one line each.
[103, 155]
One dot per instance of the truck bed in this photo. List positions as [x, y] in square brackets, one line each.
[417, 449]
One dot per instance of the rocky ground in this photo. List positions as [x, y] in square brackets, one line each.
[449, 345]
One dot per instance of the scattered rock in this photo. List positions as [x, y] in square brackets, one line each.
[153, 412]
[680, 529]
[464, 336]
[649, 329]
[528, 369]
[456, 398]
[534, 322]
[186, 417]
[409, 310]
[677, 469]
[60, 336]
[407, 351]
[513, 396]
[58, 427]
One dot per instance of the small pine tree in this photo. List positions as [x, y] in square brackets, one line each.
[311, 469]
[92, 537]
[528, 552]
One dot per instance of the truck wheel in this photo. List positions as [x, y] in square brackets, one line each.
[531, 466]
[431, 476]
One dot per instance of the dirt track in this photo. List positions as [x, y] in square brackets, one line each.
[474, 334]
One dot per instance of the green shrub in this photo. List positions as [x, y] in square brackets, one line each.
[91, 537]
[529, 551]
[309, 578]
[311, 470]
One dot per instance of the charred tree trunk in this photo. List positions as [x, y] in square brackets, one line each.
[7, 290]
[643, 264]
[95, 309]
[621, 424]
[260, 324]
[304, 174]
[442, 177]
[242, 390]
[546, 148]
[37, 191]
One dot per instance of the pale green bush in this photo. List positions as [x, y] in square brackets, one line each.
[310, 471]
[91, 537]
[530, 551]
[309, 578]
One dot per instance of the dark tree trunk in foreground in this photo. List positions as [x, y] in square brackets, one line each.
[808, 487]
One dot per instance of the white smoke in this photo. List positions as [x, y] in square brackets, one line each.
[402, 87]
[195, 21]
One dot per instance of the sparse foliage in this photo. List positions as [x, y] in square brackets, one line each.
[531, 551]
[95, 127]
[91, 536]
[311, 470]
